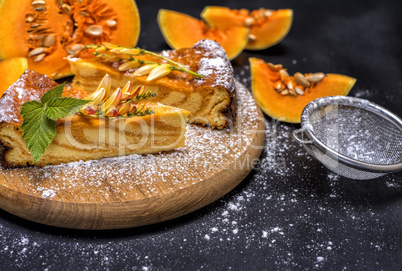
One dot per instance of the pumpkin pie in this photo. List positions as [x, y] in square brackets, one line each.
[211, 100]
[81, 137]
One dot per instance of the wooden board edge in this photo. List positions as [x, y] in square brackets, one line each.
[93, 217]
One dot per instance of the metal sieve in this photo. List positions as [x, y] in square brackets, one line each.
[352, 137]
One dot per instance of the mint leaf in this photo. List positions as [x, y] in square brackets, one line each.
[39, 119]
[55, 92]
[63, 107]
[29, 110]
[38, 129]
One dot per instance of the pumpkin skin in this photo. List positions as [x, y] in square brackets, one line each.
[267, 31]
[19, 35]
[288, 108]
[10, 70]
[183, 31]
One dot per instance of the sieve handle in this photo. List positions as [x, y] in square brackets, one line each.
[299, 136]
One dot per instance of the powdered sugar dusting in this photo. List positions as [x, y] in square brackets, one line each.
[215, 61]
[289, 214]
[29, 87]
[206, 150]
[292, 214]
[7, 103]
[6, 109]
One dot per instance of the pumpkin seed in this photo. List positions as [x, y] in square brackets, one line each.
[39, 57]
[279, 86]
[36, 51]
[66, 8]
[315, 77]
[249, 21]
[271, 66]
[299, 91]
[284, 74]
[38, 2]
[285, 92]
[258, 16]
[278, 67]
[29, 18]
[290, 86]
[49, 40]
[268, 13]
[111, 23]
[35, 25]
[40, 8]
[301, 80]
[252, 37]
[292, 92]
[75, 49]
[94, 30]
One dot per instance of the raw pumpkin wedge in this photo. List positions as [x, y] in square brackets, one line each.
[47, 31]
[267, 27]
[183, 31]
[283, 97]
[10, 70]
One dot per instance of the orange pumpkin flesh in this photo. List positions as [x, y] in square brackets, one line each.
[10, 70]
[63, 24]
[265, 30]
[183, 31]
[288, 108]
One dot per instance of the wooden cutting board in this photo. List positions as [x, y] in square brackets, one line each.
[139, 190]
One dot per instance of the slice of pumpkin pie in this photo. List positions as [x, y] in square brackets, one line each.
[105, 127]
[211, 100]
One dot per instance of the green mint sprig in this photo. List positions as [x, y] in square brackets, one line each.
[39, 119]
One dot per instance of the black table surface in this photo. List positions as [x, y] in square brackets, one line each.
[290, 213]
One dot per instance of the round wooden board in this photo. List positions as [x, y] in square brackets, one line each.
[136, 190]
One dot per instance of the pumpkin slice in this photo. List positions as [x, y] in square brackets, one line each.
[182, 31]
[10, 70]
[283, 97]
[46, 32]
[267, 27]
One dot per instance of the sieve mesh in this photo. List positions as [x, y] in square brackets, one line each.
[342, 169]
[353, 137]
[358, 134]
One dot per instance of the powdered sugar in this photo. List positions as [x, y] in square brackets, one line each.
[209, 66]
[7, 103]
[215, 61]
[23, 91]
[207, 150]
[290, 214]
[6, 110]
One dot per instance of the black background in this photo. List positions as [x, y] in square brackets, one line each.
[290, 213]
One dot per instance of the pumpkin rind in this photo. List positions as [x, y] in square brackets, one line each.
[10, 70]
[14, 34]
[288, 108]
[267, 34]
[182, 31]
